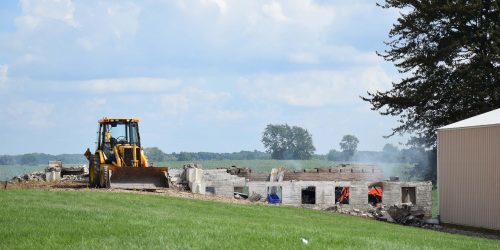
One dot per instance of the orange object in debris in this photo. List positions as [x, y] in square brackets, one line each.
[375, 196]
[375, 191]
[344, 194]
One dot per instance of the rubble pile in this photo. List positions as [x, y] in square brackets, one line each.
[35, 176]
[255, 197]
[404, 214]
[54, 173]
[407, 214]
[178, 179]
[356, 212]
[73, 178]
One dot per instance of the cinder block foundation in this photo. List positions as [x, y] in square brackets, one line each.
[313, 188]
[358, 193]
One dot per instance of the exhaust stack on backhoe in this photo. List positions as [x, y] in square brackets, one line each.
[119, 161]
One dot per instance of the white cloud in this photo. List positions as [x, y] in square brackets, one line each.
[259, 26]
[95, 104]
[274, 11]
[85, 43]
[30, 114]
[37, 11]
[4, 71]
[175, 104]
[123, 19]
[199, 104]
[129, 85]
[336, 54]
[192, 98]
[221, 4]
[108, 22]
[303, 57]
[300, 31]
[315, 88]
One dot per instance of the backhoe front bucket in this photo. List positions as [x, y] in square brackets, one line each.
[138, 178]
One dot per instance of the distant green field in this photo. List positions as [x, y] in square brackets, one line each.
[43, 219]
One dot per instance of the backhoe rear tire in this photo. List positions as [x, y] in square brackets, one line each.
[104, 177]
[95, 181]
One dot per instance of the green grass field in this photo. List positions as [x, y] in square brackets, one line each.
[39, 219]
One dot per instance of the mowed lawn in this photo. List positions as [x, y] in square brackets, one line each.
[34, 219]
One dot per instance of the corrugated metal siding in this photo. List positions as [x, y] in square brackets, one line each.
[469, 176]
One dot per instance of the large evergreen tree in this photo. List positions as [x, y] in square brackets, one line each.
[448, 54]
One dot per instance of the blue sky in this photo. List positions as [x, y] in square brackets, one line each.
[202, 75]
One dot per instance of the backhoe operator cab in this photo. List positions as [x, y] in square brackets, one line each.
[119, 161]
[118, 132]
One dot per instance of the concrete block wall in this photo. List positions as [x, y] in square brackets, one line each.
[358, 193]
[52, 175]
[325, 192]
[259, 187]
[342, 172]
[424, 198]
[222, 182]
[423, 194]
[195, 180]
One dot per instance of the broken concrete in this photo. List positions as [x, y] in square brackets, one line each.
[52, 175]
[35, 176]
[223, 183]
[198, 180]
[54, 172]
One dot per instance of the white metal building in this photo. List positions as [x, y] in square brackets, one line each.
[469, 171]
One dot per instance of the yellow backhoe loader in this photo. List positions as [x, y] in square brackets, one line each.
[119, 161]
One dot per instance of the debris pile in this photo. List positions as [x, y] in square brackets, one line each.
[255, 197]
[72, 170]
[178, 178]
[73, 178]
[356, 212]
[54, 172]
[240, 196]
[407, 214]
[404, 214]
[35, 176]
[235, 170]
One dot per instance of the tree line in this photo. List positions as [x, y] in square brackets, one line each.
[40, 158]
[155, 154]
